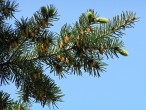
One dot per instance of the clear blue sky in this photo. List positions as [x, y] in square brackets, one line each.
[123, 86]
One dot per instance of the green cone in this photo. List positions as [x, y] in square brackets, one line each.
[123, 52]
[102, 20]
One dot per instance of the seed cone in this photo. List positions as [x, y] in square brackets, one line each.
[101, 20]
[122, 51]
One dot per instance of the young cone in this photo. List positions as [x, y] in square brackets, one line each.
[122, 51]
[101, 20]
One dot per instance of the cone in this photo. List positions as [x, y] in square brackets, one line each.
[101, 20]
[123, 52]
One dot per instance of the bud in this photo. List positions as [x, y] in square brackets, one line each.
[37, 27]
[32, 34]
[6, 12]
[58, 68]
[14, 44]
[44, 10]
[48, 42]
[101, 20]
[61, 44]
[62, 59]
[101, 49]
[67, 60]
[90, 16]
[59, 57]
[37, 75]
[89, 29]
[82, 32]
[67, 39]
[43, 49]
[91, 63]
[51, 11]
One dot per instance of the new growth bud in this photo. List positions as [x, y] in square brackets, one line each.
[90, 16]
[51, 11]
[44, 10]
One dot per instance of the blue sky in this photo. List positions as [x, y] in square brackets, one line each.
[123, 86]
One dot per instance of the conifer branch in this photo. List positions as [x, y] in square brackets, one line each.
[81, 47]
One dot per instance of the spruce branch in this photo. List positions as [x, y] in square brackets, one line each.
[90, 35]
[77, 48]
[114, 26]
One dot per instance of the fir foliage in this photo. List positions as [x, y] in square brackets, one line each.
[78, 48]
